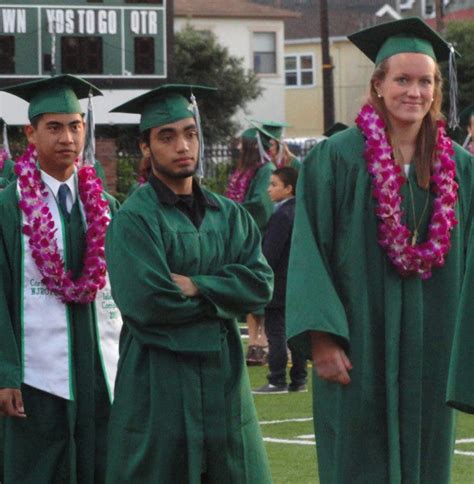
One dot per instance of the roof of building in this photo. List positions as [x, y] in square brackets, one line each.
[343, 19]
[229, 8]
[352, 18]
[466, 14]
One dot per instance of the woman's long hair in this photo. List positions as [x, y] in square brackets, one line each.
[427, 136]
[249, 154]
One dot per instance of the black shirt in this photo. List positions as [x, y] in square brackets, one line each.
[193, 205]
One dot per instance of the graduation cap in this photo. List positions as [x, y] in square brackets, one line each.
[335, 128]
[58, 94]
[270, 129]
[406, 35]
[410, 35]
[466, 114]
[165, 104]
[249, 133]
[266, 131]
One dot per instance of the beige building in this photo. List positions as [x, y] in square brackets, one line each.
[304, 96]
[303, 69]
[253, 32]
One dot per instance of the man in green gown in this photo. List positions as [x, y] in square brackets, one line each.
[58, 335]
[381, 342]
[184, 263]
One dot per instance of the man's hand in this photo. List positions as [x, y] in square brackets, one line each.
[329, 359]
[186, 285]
[11, 403]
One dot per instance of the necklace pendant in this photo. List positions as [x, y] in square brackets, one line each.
[414, 237]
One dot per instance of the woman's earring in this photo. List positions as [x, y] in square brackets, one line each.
[379, 95]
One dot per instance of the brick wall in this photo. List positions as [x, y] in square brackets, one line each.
[106, 153]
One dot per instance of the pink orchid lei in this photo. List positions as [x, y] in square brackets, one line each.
[40, 230]
[238, 185]
[387, 179]
[3, 157]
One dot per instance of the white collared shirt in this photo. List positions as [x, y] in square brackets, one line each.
[281, 202]
[53, 186]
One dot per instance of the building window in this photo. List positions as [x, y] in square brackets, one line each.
[7, 54]
[144, 55]
[299, 70]
[81, 55]
[264, 52]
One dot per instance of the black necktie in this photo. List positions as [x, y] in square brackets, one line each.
[63, 192]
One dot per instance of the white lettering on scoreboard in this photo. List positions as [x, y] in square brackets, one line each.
[144, 22]
[80, 21]
[91, 22]
[13, 21]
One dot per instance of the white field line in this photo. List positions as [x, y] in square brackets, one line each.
[464, 452]
[288, 420]
[464, 441]
[308, 439]
[288, 441]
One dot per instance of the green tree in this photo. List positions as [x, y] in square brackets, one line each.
[200, 59]
[461, 35]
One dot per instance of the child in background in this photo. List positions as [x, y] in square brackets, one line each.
[276, 248]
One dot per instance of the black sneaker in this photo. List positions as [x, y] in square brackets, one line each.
[269, 388]
[297, 388]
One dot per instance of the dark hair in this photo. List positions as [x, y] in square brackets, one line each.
[249, 154]
[145, 136]
[144, 167]
[35, 121]
[288, 175]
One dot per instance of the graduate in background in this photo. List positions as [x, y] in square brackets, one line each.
[276, 249]
[59, 327]
[335, 128]
[248, 184]
[7, 166]
[467, 120]
[377, 263]
[184, 263]
[271, 144]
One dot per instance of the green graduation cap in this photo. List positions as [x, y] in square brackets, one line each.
[271, 129]
[58, 94]
[249, 133]
[466, 114]
[165, 104]
[335, 128]
[406, 35]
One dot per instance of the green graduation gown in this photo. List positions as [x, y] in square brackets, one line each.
[391, 423]
[60, 440]
[182, 403]
[7, 174]
[257, 201]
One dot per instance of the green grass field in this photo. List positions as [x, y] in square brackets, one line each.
[287, 428]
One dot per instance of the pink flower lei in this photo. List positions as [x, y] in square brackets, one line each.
[40, 230]
[239, 183]
[387, 180]
[3, 158]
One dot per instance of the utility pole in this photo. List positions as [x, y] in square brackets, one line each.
[328, 87]
[440, 15]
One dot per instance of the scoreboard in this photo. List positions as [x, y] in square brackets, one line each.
[112, 41]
